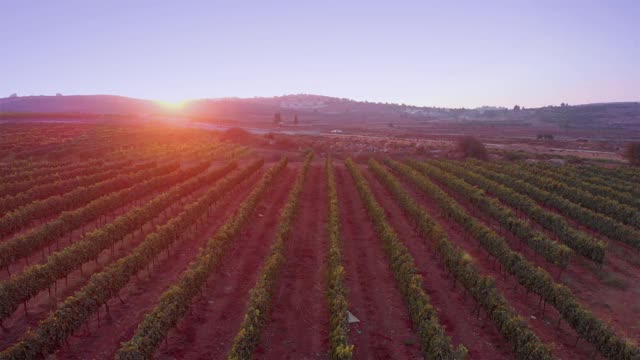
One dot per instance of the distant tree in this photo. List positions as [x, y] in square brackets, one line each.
[632, 153]
[473, 148]
[236, 135]
[295, 119]
[58, 94]
[14, 95]
[277, 118]
[516, 108]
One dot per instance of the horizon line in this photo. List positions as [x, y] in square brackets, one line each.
[319, 95]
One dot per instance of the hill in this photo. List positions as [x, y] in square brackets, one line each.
[325, 110]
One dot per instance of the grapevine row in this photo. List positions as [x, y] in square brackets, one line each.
[570, 178]
[534, 279]
[339, 346]
[629, 174]
[620, 212]
[21, 217]
[553, 252]
[175, 302]
[14, 184]
[514, 329]
[259, 304]
[23, 245]
[604, 177]
[12, 202]
[16, 166]
[75, 311]
[26, 284]
[28, 169]
[433, 340]
[580, 242]
[595, 221]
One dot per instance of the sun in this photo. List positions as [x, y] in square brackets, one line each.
[172, 105]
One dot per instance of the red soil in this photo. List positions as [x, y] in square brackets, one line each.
[384, 330]
[41, 256]
[44, 219]
[215, 317]
[561, 339]
[40, 305]
[615, 286]
[455, 310]
[299, 320]
[37, 222]
[142, 294]
[298, 324]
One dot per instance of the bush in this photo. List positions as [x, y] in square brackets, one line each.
[472, 147]
[632, 153]
[235, 134]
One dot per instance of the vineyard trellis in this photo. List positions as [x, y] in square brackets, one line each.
[580, 242]
[524, 342]
[175, 302]
[434, 342]
[260, 296]
[340, 348]
[535, 279]
[75, 311]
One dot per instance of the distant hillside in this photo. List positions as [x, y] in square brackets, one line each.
[89, 104]
[315, 109]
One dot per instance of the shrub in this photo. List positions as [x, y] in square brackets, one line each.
[472, 147]
[632, 153]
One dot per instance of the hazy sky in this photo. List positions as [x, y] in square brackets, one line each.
[440, 53]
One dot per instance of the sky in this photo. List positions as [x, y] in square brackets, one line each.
[430, 53]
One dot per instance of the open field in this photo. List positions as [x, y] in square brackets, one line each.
[161, 242]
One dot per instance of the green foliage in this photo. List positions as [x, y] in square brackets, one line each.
[553, 252]
[31, 208]
[533, 278]
[12, 185]
[433, 340]
[598, 222]
[632, 153]
[524, 342]
[76, 310]
[574, 191]
[28, 169]
[580, 242]
[568, 176]
[262, 293]
[25, 244]
[339, 346]
[26, 284]
[175, 302]
[472, 148]
[606, 177]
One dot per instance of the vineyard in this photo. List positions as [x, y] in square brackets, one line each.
[161, 242]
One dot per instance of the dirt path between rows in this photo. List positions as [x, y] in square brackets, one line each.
[384, 330]
[142, 293]
[562, 340]
[43, 303]
[615, 286]
[299, 321]
[215, 317]
[455, 310]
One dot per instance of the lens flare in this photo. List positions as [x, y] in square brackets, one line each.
[172, 105]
